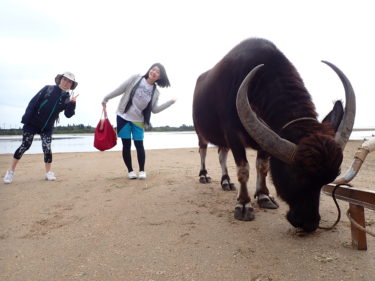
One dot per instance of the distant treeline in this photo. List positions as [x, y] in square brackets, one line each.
[82, 129]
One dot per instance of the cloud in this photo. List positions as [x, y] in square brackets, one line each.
[103, 43]
[18, 19]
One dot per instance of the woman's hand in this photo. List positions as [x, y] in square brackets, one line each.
[73, 98]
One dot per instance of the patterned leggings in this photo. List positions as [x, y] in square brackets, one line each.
[27, 140]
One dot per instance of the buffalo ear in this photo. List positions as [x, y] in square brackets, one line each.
[335, 116]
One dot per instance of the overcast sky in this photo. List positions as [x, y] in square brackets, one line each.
[104, 42]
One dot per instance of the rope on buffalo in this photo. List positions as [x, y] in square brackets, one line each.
[338, 210]
[356, 224]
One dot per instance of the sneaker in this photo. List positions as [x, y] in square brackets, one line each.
[8, 178]
[132, 175]
[142, 175]
[50, 176]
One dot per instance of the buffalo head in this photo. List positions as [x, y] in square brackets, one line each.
[301, 165]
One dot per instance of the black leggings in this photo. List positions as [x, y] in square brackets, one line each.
[27, 140]
[126, 154]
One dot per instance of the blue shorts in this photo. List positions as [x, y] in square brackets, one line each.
[127, 129]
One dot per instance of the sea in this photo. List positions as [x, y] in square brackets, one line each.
[63, 143]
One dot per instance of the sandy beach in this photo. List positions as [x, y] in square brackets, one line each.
[93, 223]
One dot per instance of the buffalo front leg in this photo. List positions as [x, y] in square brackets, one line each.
[262, 194]
[243, 211]
[226, 183]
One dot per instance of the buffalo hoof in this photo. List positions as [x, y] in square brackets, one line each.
[228, 186]
[204, 179]
[267, 202]
[244, 213]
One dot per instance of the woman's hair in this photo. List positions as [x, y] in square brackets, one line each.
[163, 81]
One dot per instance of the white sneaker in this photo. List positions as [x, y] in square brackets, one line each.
[142, 175]
[132, 175]
[50, 176]
[8, 178]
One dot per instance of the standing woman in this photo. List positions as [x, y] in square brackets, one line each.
[39, 118]
[140, 97]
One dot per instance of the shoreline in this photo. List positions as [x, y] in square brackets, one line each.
[149, 149]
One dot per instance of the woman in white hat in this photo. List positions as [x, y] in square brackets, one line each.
[40, 116]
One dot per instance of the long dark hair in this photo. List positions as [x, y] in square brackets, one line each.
[163, 81]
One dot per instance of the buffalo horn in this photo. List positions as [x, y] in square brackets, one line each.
[347, 122]
[267, 139]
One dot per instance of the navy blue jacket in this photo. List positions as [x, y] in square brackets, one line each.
[45, 107]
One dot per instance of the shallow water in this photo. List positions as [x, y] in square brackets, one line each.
[153, 140]
[85, 142]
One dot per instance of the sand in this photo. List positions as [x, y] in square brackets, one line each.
[93, 223]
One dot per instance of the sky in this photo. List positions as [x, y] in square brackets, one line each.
[104, 42]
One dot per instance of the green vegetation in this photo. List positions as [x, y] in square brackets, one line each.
[82, 129]
[182, 128]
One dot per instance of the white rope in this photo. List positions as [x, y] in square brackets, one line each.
[356, 224]
[369, 144]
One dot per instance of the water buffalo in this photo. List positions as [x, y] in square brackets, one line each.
[255, 98]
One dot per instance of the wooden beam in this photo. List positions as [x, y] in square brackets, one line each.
[358, 200]
[361, 197]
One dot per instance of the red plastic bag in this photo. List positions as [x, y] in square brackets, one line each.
[105, 136]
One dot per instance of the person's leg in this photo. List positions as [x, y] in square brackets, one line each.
[140, 154]
[138, 136]
[48, 167]
[124, 132]
[14, 164]
[27, 140]
[126, 154]
[46, 146]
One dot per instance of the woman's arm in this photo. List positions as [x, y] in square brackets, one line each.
[70, 107]
[33, 105]
[120, 90]
[156, 107]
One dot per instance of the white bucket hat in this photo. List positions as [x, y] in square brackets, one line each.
[68, 75]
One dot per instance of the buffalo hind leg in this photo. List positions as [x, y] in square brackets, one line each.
[203, 175]
[243, 210]
[226, 183]
[262, 194]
